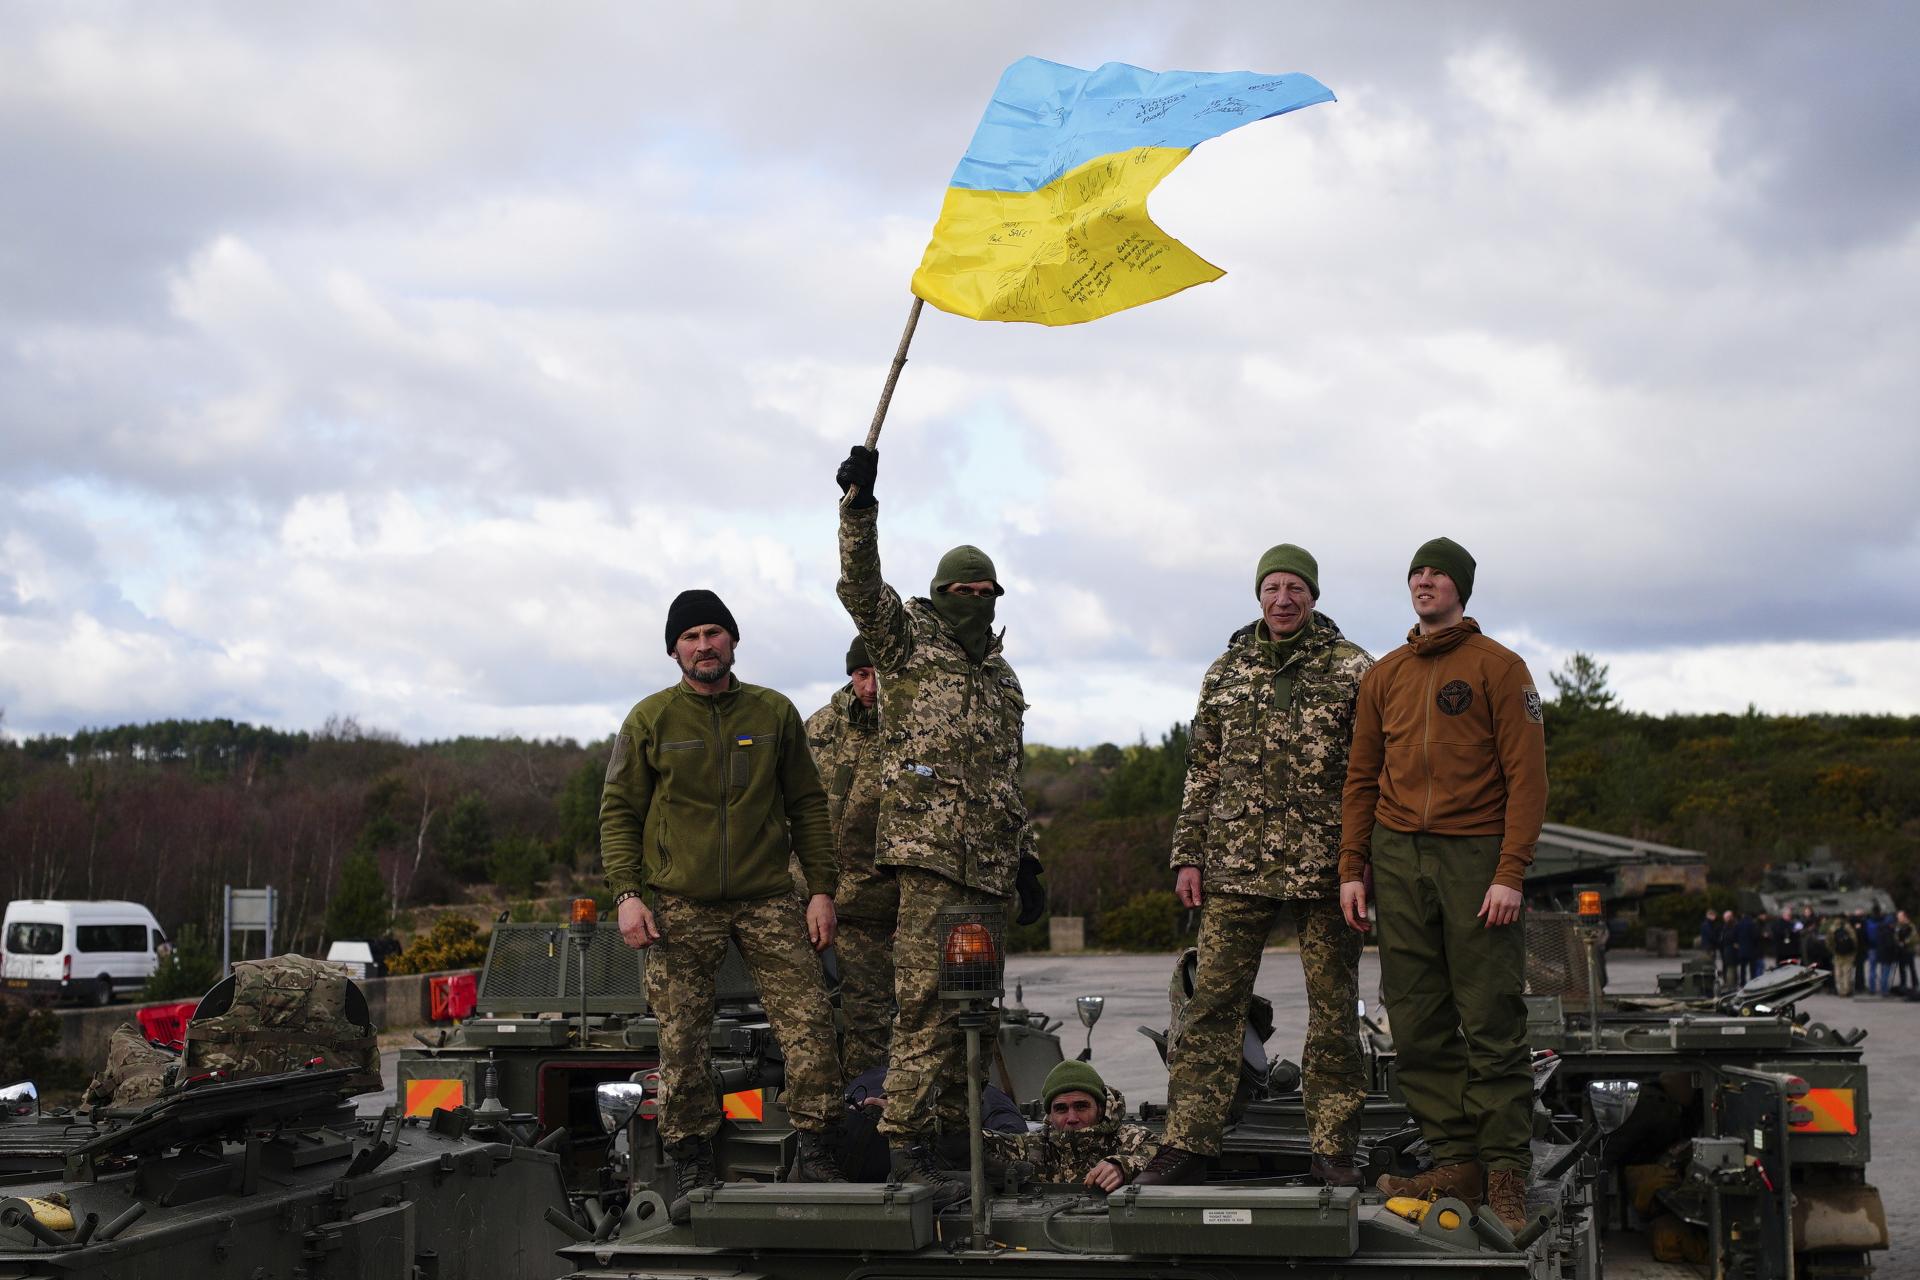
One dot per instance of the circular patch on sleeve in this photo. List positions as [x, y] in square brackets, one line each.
[1454, 697]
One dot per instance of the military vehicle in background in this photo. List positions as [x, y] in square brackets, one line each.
[1625, 871]
[1821, 882]
[562, 1009]
[1739, 1127]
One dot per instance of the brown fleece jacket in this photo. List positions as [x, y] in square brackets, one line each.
[1447, 740]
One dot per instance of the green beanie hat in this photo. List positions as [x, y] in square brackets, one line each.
[1287, 558]
[1451, 559]
[965, 564]
[1070, 1075]
[857, 655]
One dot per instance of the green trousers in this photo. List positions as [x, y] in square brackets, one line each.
[1453, 990]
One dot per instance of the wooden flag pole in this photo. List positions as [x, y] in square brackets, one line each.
[886, 391]
[893, 374]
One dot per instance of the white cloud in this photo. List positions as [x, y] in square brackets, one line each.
[352, 367]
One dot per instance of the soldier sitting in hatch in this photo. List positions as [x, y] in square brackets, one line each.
[1084, 1141]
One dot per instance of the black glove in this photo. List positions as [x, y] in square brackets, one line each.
[859, 469]
[1033, 899]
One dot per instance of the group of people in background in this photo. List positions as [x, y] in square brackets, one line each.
[1870, 952]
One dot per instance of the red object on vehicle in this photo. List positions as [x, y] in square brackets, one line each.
[166, 1023]
[452, 996]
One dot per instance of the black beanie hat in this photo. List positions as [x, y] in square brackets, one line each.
[697, 608]
[857, 655]
[1450, 558]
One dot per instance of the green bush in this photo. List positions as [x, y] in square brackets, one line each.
[360, 908]
[28, 1038]
[1037, 936]
[1152, 921]
[518, 865]
[188, 971]
[454, 942]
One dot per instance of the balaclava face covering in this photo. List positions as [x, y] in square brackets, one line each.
[969, 617]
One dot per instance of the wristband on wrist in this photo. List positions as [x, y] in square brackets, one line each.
[623, 895]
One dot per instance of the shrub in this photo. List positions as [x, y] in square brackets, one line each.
[1153, 921]
[518, 865]
[28, 1038]
[1037, 936]
[454, 942]
[188, 971]
[359, 908]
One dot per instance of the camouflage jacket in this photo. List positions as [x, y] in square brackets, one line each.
[1062, 1156]
[136, 1072]
[950, 742]
[845, 739]
[1261, 810]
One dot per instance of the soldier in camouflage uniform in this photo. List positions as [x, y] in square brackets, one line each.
[845, 738]
[709, 793]
[951, 824]
[1086, 1141]
[1259, 828]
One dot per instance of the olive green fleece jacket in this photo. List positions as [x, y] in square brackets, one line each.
[706, 796]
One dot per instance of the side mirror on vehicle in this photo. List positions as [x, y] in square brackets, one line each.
[1089, 1008]
[1612, 1102]
[20, 1099]
[617, 1100]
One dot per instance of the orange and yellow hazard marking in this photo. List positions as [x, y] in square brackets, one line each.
[425, 1096]
[745, 1105]
[1832, 1112]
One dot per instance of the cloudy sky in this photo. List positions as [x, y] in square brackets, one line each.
[403, 361]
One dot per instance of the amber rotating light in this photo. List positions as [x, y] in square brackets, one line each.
[973, 972]
[973, 952]
[582, 924]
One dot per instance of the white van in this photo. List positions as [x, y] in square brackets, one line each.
[85, 951]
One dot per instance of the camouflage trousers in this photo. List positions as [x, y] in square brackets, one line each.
[772, 936]
[927, 1068]
[1204, 1067]
[864, 950]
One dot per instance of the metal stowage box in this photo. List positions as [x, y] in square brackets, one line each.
[1298, 1222]
[883, 1217]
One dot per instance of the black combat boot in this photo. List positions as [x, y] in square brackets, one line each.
[913, 1163]
[1173, 1167]
[813, 1160]
[692, 1169]
[1334, 1171]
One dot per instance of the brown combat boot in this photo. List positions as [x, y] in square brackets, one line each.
[1507, 1197]
[1334, 1171]
[1461, 1180]
[1173, 1167]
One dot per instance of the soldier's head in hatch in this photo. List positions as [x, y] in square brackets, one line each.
[1287, 582]
[1075, 1096]
[701, 635]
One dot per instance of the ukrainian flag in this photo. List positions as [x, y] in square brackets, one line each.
[1046, 217]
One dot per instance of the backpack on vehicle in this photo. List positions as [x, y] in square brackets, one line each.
[282, 1014]
[137, 1071]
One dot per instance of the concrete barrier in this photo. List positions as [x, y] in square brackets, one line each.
[394, 1004]
[1067, 933]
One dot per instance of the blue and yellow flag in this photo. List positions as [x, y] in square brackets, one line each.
[1046, 217]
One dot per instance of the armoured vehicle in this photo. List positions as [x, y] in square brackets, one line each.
[1624, 870]
[1821, 883]
[271, 1175]
[1259, 1214]
[562, 1009]
[1740, 1126]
